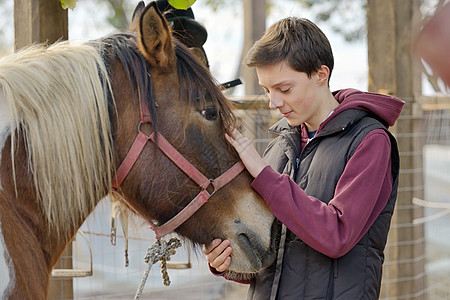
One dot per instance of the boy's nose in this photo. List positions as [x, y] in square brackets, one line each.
[275, 101]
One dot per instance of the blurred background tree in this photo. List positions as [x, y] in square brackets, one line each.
[346, 18]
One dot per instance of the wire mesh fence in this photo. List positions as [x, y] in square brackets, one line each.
[436, 203]
[417, 254]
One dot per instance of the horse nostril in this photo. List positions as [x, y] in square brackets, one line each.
[245, 240]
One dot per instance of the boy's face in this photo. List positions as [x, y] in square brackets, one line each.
[291, 92]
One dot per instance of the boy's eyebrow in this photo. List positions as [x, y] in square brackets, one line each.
[282, 82]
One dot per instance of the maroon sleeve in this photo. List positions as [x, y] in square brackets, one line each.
[361, 194]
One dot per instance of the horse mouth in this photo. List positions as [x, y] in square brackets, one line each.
[252, 251]
[258, 256]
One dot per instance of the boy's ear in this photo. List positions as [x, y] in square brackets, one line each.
[155, 39]
[323, 74]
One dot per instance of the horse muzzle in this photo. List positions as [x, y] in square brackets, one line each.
[257, 254]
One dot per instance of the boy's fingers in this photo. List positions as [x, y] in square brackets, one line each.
[215, 252]
[216, 255]
[222, 262]
[208, 248]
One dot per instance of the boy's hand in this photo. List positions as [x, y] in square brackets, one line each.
[247, 152]
[218, 254]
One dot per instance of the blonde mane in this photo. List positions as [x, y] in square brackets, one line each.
[58, 101]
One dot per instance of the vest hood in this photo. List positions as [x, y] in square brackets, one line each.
[386, 108]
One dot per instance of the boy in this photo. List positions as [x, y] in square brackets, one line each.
[330, 176]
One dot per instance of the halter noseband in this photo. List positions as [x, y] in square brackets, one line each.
[176, 157]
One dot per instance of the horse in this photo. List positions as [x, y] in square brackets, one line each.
[72, 118]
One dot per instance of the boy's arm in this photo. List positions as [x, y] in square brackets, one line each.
[360, 196]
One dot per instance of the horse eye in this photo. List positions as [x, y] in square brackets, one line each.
[210, 113]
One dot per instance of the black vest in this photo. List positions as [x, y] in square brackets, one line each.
[301, 272]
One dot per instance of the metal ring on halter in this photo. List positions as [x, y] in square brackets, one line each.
[139, 127]
[211, 183]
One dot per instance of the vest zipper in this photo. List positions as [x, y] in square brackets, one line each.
[296, 167]
[335, 268]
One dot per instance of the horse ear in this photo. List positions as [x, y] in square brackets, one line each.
[200, 55]
[155, 39]
[136, 15]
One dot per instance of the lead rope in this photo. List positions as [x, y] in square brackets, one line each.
[160, 251]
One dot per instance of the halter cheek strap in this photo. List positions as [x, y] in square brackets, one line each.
[176, 157]
[193, 173]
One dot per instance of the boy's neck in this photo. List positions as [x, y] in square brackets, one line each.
[329, 104]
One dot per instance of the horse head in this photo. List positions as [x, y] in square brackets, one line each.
[189, 111]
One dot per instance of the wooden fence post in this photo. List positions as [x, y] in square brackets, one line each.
[38, 21]
[393, 69]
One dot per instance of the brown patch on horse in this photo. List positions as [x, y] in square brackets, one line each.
[155, 39]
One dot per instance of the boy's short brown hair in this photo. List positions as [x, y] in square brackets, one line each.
[297, 41]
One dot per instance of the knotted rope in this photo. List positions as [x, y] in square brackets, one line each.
[160, 251]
